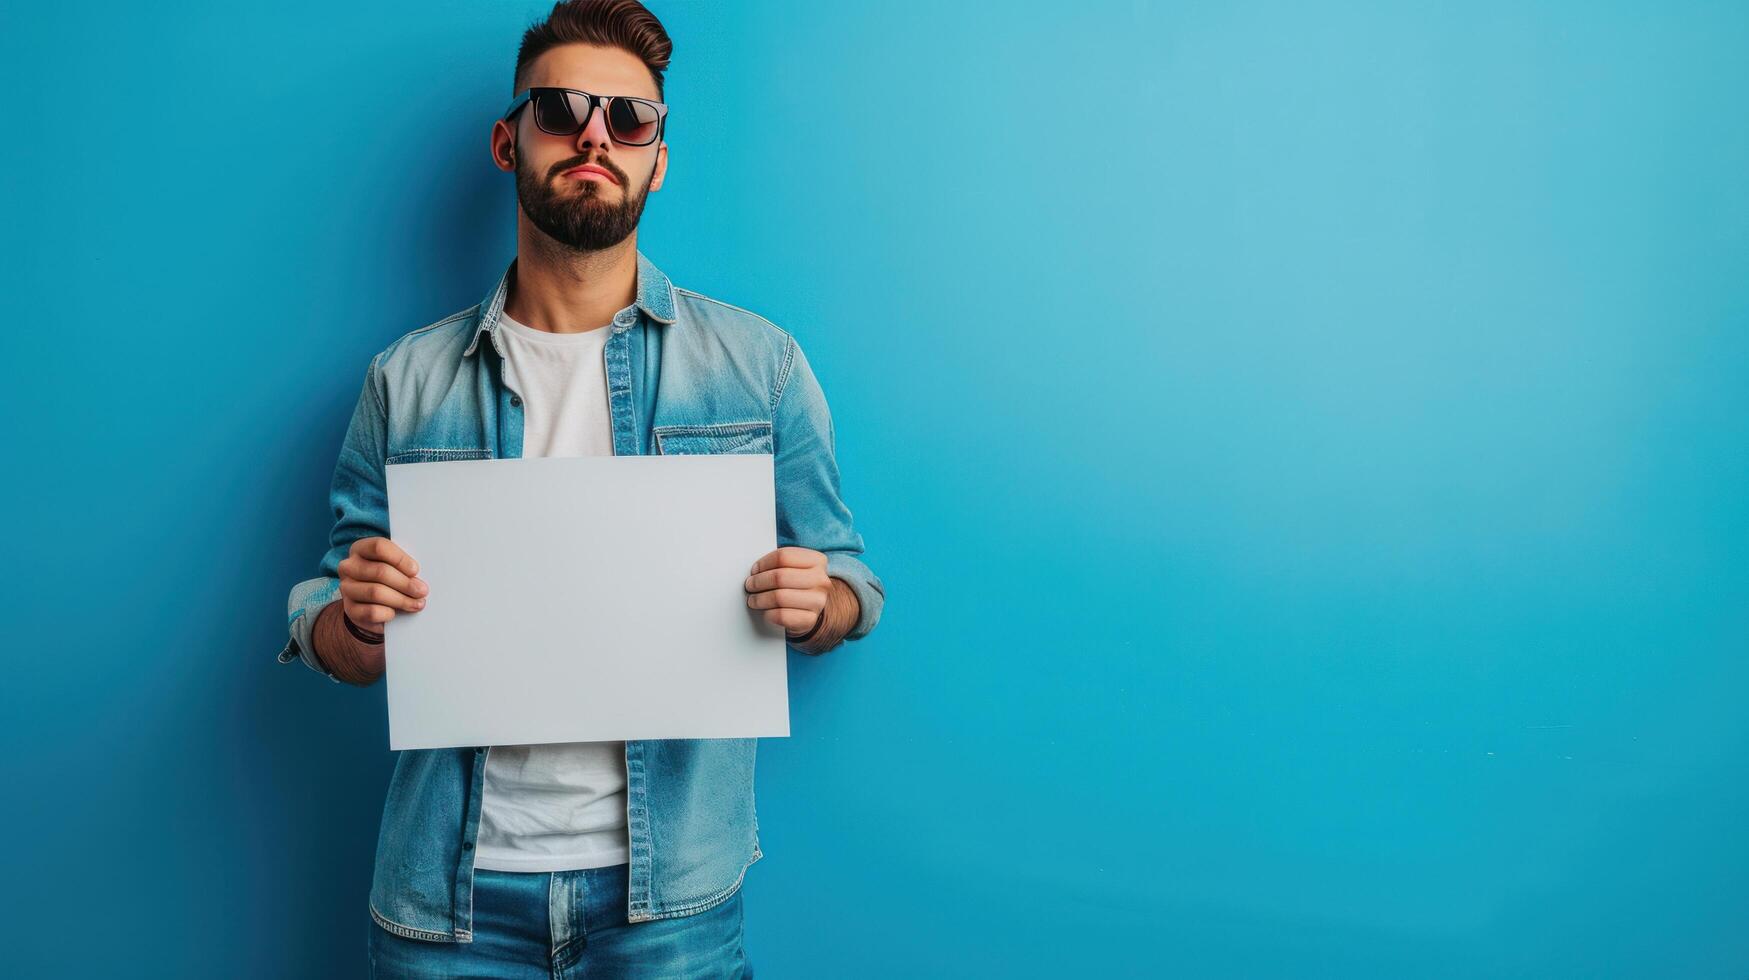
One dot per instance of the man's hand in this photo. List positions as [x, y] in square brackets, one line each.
[377, 582]
[792, 586]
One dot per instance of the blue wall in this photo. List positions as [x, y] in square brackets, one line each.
[1306, 446]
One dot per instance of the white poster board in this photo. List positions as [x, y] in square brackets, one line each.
[584, 598]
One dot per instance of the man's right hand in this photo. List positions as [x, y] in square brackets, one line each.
[378, 581]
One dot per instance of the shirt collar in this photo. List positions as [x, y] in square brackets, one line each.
[655, 298]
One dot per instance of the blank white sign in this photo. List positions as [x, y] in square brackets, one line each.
[584, 598]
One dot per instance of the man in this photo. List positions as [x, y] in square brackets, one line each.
[618, 858]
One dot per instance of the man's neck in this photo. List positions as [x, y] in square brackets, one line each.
[565, 291]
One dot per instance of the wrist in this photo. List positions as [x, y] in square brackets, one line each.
[835, 620]
[359, 633]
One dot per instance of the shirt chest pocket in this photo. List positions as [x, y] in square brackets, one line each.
[715, 439]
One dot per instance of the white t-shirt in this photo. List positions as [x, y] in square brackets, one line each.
[561, 806]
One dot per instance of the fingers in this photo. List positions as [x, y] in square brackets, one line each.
[789, 556]
[795, 621]
[787, 577]
[374, 602]
[377, 583]
[380, 594]
[792, 595]
[809, 601]
[370, 616]
[364, 570]
[386, 551]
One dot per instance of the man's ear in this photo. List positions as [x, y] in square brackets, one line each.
[505, 159]
[661, 166]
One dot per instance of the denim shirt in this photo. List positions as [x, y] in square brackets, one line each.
[685, 374]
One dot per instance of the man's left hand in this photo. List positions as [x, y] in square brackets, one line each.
[791, 585]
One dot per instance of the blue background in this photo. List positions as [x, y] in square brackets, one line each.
[1305, 446]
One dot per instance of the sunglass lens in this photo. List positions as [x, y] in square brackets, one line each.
[555, 113]
[633, 121]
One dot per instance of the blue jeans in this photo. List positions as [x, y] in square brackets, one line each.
[569, 924]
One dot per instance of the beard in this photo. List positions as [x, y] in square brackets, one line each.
[583, 219]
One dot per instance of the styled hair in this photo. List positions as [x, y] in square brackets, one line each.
[625, 24]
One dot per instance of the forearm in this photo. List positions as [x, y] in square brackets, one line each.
[842, 611]
[351, 660]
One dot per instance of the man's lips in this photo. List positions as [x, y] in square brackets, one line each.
[589, 170]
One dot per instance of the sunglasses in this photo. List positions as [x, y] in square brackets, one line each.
[565, 111]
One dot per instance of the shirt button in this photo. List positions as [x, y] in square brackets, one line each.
[515, 400]
[467, 845]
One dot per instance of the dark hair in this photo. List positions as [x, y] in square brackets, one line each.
[624, 24]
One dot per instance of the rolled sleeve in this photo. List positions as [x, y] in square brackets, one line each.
[358, 498]
[811, 512]
[307, 600]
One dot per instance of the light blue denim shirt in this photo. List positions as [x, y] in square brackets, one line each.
[685, 374]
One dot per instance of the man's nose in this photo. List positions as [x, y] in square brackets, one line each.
[596, 132]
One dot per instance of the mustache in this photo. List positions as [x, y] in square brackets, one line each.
[602, 162]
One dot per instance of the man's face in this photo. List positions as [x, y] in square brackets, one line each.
[585, 213]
